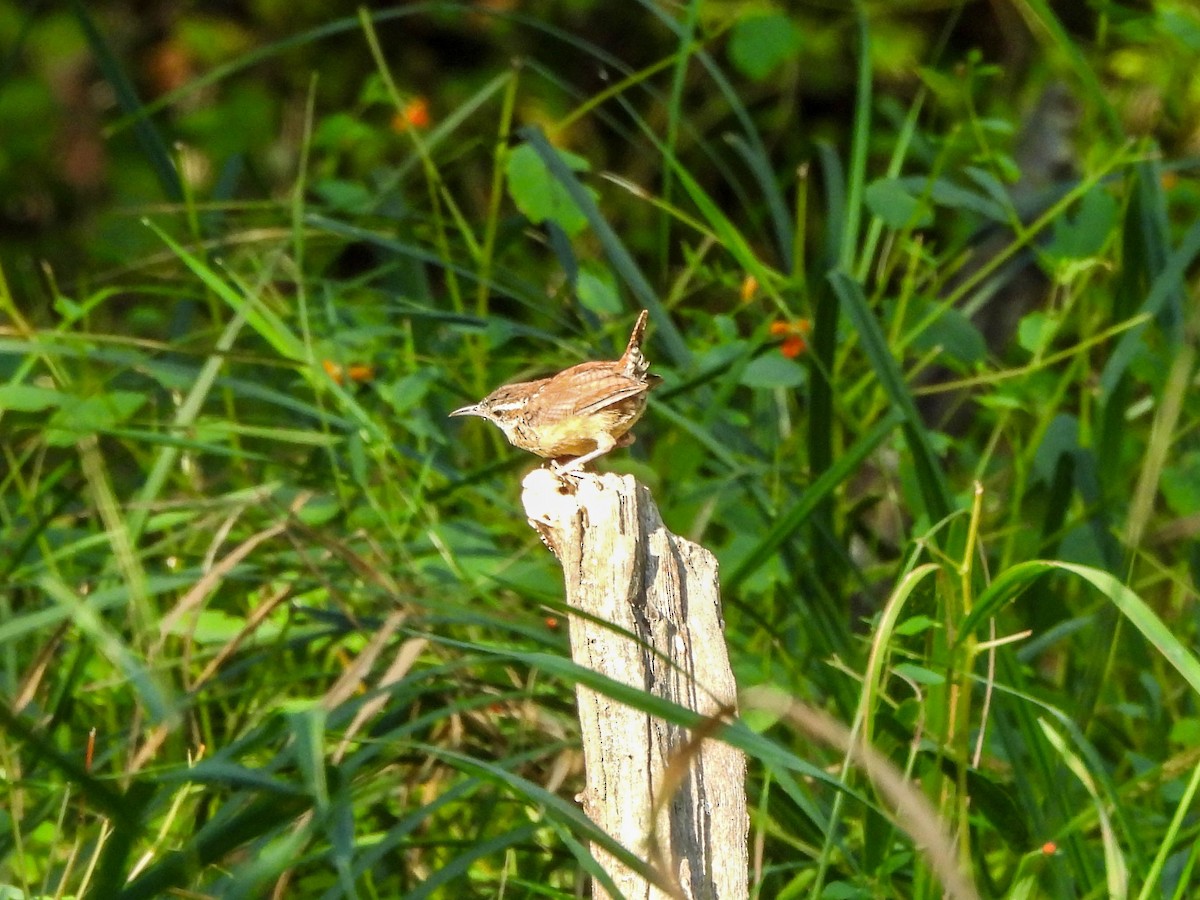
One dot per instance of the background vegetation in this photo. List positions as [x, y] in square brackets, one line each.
[922, 281]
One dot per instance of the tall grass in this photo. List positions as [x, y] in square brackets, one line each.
[270, 625]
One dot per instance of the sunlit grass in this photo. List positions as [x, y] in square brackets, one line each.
[269, 622]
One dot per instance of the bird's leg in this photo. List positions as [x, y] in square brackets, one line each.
[604, 443]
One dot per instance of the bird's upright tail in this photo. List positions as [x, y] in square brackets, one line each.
[633, 362]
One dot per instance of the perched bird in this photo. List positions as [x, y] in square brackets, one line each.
[577, 415]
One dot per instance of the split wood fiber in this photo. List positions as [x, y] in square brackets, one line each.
[647, 613]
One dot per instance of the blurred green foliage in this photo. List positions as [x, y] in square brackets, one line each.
[922, 290]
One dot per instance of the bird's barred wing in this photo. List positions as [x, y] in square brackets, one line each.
[586, 389]
[630, 389]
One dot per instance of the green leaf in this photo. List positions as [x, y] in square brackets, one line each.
[841, 890]
[772, 370]
[308, 730]
[341, 131]
[916, 625]
[953, 196]
[919, 674]
[346, 196]
[597, 290]
[149, 139]
[406, 393]
[1168, 280]
[1181, 484]
[78, 416]
[1180, 26]
[1061, 437]
[1186, 731]
[888, 199]
[215, 626]
[1035, 331]
[760, 43]
[539, 195]
[30, 398]
[1083, 235]
[948, 89]
[956, 335]
[618, 254]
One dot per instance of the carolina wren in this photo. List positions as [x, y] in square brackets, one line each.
[582, 412]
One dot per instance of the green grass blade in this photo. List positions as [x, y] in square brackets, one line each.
[859, 145]
[268, 325]
[237, 824]
[1167, 284]
[934, 491]
[791, 520]
[1116, 871]
[153, 146]
[614, 248]
[1071, 48]
[1011, 583]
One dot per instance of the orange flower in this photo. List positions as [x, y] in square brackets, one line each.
[794, 336]
[414, 115]
[356, 372]
[749, 288]
[169, 66]
[793, 347]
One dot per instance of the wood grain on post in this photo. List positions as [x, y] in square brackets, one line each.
[649, 616]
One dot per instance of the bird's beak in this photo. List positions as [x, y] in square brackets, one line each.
[472, 410]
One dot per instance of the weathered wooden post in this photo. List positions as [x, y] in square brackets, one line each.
[649, 616]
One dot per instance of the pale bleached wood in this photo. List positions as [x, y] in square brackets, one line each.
[649, 616]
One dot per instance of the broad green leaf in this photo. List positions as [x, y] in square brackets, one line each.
[773, 370]
[30, 398]
[345, 196]
[1186, 731]
[956, 335]
[888, 199]
[1035, 331]
[339, 131]
[1083, 234]
[946, 193]
[760, 43]
[539, 195]
[597, 290]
